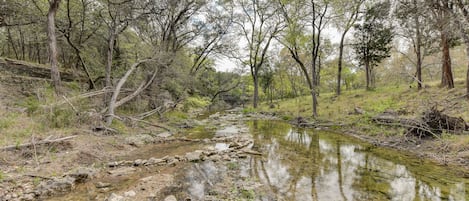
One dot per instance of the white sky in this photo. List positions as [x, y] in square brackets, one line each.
[229, 65]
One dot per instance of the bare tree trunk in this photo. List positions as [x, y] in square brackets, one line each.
[447, 74]
[341, 53]
[55, 74]
[110, 51]
[112, 103]
[368, 75]
[418, 47]
[256, 90]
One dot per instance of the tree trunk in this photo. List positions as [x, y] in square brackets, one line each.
[314, 87]
[256, 90]
[418, 47]
[368, 75]
[447, 74]
[55, 75]
[112, 103]
[339, 66]
[110, 51]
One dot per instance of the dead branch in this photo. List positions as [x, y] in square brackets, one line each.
[42, 142]
[148, 123]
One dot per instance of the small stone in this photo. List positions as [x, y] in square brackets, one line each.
[102, 185]
[115, 197]
[113, 164]
[215, 158]
[104, 190]
[226, 158]
[170, 198]
[138, 162]
[130, 194]
[194, 156]
[154, 161]
[81, 175]
[164, 135]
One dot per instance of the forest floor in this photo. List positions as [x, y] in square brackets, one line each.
[352, 113]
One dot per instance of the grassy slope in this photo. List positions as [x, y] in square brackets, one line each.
[405, 100]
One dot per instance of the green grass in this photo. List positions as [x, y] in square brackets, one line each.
[407, 101]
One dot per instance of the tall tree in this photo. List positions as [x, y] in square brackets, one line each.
[440, 11]
[347, 16]
[55, 74]
[299, 44]
[259, 24]
[461, 15]
[373, 37]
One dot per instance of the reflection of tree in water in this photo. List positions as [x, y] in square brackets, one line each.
[313, 165]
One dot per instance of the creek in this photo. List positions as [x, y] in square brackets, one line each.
[295, 164]
[306, 164]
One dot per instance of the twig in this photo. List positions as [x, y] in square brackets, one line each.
[35, 150]
[71, 105]
[38, 176]
[148, 123]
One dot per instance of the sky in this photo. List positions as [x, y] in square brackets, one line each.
[229, 65]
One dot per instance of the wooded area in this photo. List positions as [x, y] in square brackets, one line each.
[167, 51]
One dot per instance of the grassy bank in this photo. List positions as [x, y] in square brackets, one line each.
[407, 102]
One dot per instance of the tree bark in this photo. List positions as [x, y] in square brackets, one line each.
[339, 65]
[418, 47]
[447, 74]
[256, 90]
[55, 74]
[368, 75]
[110, 51]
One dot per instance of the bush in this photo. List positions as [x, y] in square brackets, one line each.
[195, 102]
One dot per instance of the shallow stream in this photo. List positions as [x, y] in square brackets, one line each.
[307, 164]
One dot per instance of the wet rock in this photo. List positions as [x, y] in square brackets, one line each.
[122, 171]
[194, 156]
[102, 185]
[115, 197]
[170, 198]
[130, 194]
[81, 175]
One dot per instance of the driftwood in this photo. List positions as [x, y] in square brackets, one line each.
[42, 142]
[432, 123]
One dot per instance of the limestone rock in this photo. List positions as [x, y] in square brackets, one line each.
[170, 198]
[115, 197]
[194, 156]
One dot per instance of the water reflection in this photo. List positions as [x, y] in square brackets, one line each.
[309, 165]
[314, 165]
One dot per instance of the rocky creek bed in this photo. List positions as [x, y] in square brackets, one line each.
[237, 158]
[132, 177]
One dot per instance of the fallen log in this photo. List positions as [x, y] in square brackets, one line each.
[42, 142]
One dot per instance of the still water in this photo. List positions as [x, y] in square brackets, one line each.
[306, 164]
